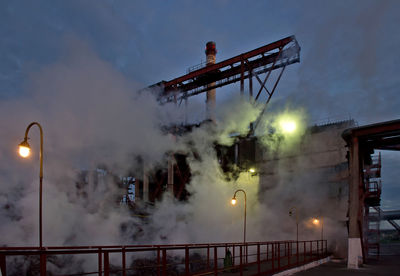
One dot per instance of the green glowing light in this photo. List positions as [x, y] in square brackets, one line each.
[252, 170]
[288, 126]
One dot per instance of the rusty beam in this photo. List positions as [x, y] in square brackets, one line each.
[222, 64]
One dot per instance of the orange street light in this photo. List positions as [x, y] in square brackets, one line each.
[316, 222]
[233, 202]
[24, 151]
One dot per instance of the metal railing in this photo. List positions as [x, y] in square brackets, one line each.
[250, 258]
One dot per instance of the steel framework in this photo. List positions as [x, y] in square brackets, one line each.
[364, 184]
[265, 59]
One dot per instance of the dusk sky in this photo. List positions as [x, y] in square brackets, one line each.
[350, 50]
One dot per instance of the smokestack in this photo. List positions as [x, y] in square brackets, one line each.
[211, 52]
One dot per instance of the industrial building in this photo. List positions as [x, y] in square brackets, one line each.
[323, 153]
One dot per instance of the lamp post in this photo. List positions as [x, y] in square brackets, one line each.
[297, 221]
[317, 221]
[24, 151]
[233, 201]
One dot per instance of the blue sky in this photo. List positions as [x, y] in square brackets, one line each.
[350, 58]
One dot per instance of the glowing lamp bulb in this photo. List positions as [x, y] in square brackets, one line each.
[316, 221]
[233, 201]
[24, 149]
[252, 170]
[288, 126]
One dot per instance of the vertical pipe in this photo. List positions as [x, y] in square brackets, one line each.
[145, 184]
[171, 162]
[211, 53]
[106, 264]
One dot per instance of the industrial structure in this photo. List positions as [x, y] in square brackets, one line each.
[354, 172]
[337, 157]
[365, 186]
[205, 78]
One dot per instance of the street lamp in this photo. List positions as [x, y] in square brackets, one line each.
[24, 151]
[294, 209]
[288, 126]
[316, 222]
[233, 202]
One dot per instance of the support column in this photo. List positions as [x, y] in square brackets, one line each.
[170, 187]
[354, 243]
[145, 184]
[241, 77]
[251, 84]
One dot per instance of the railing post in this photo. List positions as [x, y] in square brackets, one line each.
[3, 265]
[288, 257]
[215, 261]
[208, 257]
[317, 249]
[273, 256]
[311, 255]
[100, 262]
[241, 261]
[258, 259]
[164, 262]
[233, 253]
[123, 262]
[106, 264]
[267, 250]
[158, 261]
[42, 264]
[284, 251]
[326, 246]
[279, 255]
[187, 268]
[297, 253]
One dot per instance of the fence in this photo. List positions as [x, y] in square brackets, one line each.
[251, 258]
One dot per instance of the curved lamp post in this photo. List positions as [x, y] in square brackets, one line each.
[294, 209]
[233, 201]
[24, 151]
